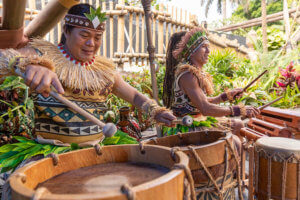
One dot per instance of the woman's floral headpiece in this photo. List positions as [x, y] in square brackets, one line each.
[190, 43]
[95, 20]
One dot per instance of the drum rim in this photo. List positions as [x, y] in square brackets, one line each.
[227, 135]
[19, 188]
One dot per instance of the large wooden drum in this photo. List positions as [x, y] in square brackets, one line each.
[213, 161]
[111, 173]
[277, 168]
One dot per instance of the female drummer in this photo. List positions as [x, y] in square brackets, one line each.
[187, 86]
[75, 71]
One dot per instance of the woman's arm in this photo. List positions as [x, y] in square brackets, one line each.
[130, 94]
[189, 83]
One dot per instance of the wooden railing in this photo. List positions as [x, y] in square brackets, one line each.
[125, 37]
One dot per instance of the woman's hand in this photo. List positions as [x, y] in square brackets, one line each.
[251, 111]
[236, 93]
[40, 79]
[165, 117]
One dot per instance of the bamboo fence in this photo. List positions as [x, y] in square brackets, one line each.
[125, 37]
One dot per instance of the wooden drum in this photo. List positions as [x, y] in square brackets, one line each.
[111, 173]
[213, 161]
[277, 168]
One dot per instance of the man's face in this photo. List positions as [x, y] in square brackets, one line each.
[83, 43]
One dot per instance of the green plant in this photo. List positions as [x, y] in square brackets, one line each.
[16, 108]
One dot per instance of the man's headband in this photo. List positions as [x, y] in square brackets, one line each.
[95, 20]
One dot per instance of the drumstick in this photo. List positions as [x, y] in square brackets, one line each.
[186, 121]
[270, 103]
[108, 129]
[249, 84]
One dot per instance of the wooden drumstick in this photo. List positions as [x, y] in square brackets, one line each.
[186, 121]
[270, 103]
[251, 83]
[108, 129]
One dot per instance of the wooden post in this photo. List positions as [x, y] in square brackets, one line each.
[151, 48]
[104, 34]
[121, 25]
[264, 26]
[137, 32]
[13, 15]
[161, 32]
[143, 34]
[251, 173]
[111, 31]
[167, 30]
[154, 30]
[130, 34]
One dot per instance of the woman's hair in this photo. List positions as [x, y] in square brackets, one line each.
[78, 9]
[171, 62]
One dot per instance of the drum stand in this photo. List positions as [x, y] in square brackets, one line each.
[247, 179]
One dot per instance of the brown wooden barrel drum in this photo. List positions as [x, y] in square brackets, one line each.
[213, 161]
[111, 173]
[277, 168]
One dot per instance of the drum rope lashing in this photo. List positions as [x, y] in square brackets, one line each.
[189, 177]
[39, 193]
[54, 157]
[199, 160]
[142, 147]
[98, 149]
[128, 191]
[233, 152]
[173, 151]
[225, 169]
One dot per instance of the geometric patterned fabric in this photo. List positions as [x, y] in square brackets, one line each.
[53, 117]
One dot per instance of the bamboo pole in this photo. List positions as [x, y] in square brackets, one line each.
[151, 48]
[160, 32]
[130, 35]
[143, 34]
[111, 31]
[255, 21]
[269, 20]
[104, 33]
[139, 10]
[167, 30]
[137, 32]
[42, 24]
[264, 25]
[121, 25]
[12, 15]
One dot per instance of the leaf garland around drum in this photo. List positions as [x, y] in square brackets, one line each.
[209, 122]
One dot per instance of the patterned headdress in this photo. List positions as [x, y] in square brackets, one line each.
[95, 20]
[190, 43]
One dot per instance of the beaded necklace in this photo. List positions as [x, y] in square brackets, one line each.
[73, 60]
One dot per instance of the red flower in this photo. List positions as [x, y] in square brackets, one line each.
[280, 84]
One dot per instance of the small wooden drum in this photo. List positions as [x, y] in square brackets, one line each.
[277, 168]
[213, 161]
[111, 173]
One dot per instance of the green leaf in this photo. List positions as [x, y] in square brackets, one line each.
[74, 146]
[6, 148]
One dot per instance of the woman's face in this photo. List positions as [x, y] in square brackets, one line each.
[82, 43]
[201, 55]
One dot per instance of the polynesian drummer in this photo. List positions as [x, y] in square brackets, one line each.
[187, 85]
[75, 71]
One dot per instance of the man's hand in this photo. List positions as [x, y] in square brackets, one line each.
[251, 111]
[165, 117]
[40, 79]
[236, 93]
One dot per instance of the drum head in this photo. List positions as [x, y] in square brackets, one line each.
[279, 147]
